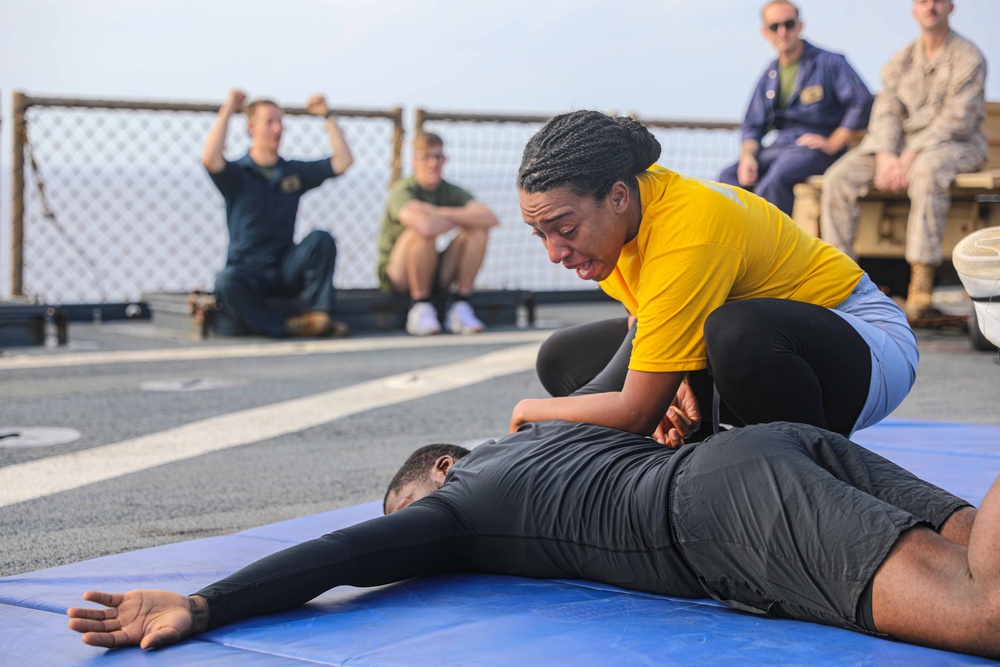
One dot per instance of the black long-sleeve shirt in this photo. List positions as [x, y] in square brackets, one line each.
[555, 499]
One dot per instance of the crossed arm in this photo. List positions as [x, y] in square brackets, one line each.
[429, 220]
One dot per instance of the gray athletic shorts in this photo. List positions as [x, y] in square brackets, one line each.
[882, 324]
[793, 520]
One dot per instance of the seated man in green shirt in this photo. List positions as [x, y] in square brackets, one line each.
[421, 208]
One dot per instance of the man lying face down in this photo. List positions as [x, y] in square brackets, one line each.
[783, 519]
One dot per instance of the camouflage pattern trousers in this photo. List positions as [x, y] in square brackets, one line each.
[931, 177]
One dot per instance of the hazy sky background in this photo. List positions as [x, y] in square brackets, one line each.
[683, 59]
[662, 58]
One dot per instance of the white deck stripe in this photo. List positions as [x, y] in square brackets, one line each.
[36, 479]
[269, 349]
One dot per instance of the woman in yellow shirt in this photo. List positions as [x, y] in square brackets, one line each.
[721, 287]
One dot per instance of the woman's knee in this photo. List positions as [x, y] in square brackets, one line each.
[555, 363]
[572, 357]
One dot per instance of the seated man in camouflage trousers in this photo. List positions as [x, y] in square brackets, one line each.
[926, 126]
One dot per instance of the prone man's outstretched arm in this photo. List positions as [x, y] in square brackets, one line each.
[418, 540]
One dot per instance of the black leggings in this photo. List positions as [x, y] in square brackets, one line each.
[770, 360]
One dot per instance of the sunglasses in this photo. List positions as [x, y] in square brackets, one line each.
[789, 24]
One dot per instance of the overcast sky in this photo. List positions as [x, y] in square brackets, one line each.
[681, 59]
[661, 58]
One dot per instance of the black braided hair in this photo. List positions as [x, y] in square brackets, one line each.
[587, 151]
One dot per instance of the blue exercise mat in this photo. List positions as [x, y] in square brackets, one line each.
[473, 620]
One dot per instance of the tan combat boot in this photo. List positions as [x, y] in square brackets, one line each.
[919, 297]
[315, 323]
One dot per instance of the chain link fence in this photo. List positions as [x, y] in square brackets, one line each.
[696, 148]
[110, 201]
[484, 152]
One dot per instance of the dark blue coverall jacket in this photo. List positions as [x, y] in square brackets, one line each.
[828, 94]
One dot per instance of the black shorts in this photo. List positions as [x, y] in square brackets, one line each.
[792, 520]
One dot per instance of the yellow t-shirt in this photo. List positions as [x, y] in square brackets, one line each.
[701, 244]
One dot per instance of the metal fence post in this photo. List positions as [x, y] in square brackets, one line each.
[19, 106]
[397, 145]
[419, 118]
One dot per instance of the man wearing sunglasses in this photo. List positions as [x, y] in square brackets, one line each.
[422, 208]
[926, 126]
[813, 99]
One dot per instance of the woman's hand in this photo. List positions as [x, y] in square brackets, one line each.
[683, 418]
[147, 618]
[520, 416]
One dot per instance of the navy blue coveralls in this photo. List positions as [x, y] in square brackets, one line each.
[262, 260]
[828, 94]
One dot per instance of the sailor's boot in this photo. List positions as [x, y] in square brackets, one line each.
[919, 301]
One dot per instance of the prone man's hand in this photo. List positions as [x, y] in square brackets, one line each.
[147, 618]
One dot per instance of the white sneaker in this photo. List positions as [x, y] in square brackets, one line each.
[422, 320]
[460, 319]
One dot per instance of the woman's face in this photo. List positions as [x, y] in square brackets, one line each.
[580, 233]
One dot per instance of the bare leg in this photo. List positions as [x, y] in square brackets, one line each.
[412, 264]
[463, 258]
[934, 592]
[958, 527]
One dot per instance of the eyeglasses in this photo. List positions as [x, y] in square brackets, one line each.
[789, 24]
[430, 157]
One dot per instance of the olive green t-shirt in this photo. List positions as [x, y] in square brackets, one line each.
[402, 192]
[787, 74]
